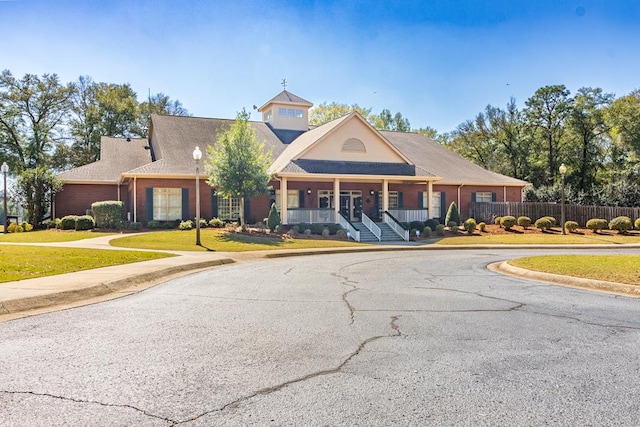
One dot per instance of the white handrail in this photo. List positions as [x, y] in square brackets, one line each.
[349, 227]
[396, 227]
[367, 222]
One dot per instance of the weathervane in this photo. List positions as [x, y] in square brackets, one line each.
[284, 84]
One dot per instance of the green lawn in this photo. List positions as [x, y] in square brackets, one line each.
[612, 268]
[220, 240]
[28, 262]
[539, 239]
[49, 236]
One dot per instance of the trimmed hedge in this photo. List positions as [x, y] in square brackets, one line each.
[470, 225]
[524, 222]
[620, 223]
[108, 214]
[84, 222]
[571, 226]
[597, 224]
[68, 222]
[544, 223]
[508, 221]
[482, 226]
[637, 224]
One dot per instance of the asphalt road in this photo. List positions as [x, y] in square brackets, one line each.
[375, 339]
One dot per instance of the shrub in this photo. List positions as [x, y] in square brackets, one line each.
[597, 224]
[186, 225]
[84, 222]
[552, 220]
[293, 231]
[26, 226]
[418, 225]
[278, 229]
[452, 224]
[508, 221]
[58, 223]
[543, 223]
[524, 222]
[69, 222]
[498, 221]
[153, 224]
[452, 214]
[413, 232]
[203, 223]
[216, 223]
[333, 228]
[470, 225]
[341, 234]
[316, 228]
[273, 220]
[637, 224]
[440, 230]
[134, 225]
[571, 226]
[426, 231]
[108, 213]
[13, 228]
[325, 232]
[482, 226]
[431, 223]
[454, 229]
[170, 224]
[307, 232]
[620, 223]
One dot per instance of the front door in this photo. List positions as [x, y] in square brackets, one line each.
[345, 204]
[351, 204]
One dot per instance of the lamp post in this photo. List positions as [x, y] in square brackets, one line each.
[563, 170]
[5, 169]
[197, 155]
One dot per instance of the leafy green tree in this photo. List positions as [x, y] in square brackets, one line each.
[238, 163]
[324, 113]
[157, 104]
[588, 134]
[428, 131]
[273, 220]
[32, 113]
[386, 121]
[452, 214]
[547, 111]
[624, 118]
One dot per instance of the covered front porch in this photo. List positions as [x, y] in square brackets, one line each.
[362, 203]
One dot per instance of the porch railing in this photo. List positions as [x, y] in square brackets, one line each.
[347, 225]
[395, 225]
[408, 215]
[310, 216]
[367, 222]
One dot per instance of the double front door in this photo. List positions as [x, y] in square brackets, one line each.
[350, 203]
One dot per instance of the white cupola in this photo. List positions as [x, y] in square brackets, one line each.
[286, 111]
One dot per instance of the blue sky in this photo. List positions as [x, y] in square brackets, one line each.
[437, 62]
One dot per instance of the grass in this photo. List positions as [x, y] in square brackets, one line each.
[28, 262]
[539, 239]
[612, 268]
[49, 236]
[220, 240]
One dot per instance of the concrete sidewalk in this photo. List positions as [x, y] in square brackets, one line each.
[35, 296]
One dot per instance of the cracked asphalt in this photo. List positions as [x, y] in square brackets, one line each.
[371, 339]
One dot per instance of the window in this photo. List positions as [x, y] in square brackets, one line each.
[325, 199]
[290, 112]
[393, 199]
[293, 199]
[228, 208]
[483, 197]
[437, 204]
[268, 115]
[167, 204]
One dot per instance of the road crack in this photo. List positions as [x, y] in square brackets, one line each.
[88, 402]
[396, 332]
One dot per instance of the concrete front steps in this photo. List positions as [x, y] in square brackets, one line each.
[388, 235]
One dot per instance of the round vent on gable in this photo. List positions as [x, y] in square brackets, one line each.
[354, 145]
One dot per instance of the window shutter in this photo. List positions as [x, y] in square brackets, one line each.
[376, 200]
[301, 199]
[421, 199]
[247, 206]
[400, 200]
[214, 204]
[494, 197]
[185, 203]
[443, 205]
[149, 203]
[473, 197]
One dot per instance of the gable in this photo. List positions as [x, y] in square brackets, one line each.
[353, 141]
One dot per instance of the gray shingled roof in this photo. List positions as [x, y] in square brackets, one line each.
[352, 168]
[440, 161]
[174, 138]
[285, 97]
[117, 155]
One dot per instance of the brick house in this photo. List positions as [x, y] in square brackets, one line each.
[344, 171]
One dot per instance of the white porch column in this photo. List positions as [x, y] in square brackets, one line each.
[430, 199]
[336, 200]
[283, 201]
[385, 195]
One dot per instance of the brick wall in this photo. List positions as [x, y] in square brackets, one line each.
[76, 199]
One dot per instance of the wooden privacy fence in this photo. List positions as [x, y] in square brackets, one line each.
[486, 212]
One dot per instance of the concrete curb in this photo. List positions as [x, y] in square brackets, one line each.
[53, 299]
[568, 281]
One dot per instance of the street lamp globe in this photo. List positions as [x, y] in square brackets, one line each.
[197, 154]
[562, 169]
[5, 167]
